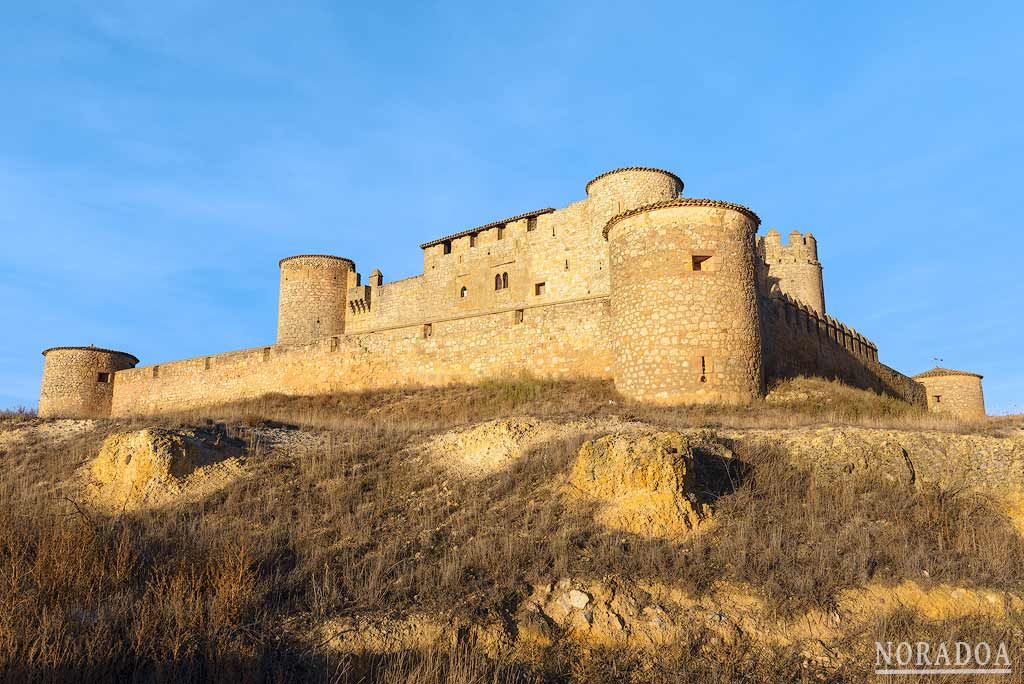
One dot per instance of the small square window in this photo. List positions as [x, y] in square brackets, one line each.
[538, 289]
[701, 262]
[103, 377]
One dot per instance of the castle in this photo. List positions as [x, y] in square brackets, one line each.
[675, 299]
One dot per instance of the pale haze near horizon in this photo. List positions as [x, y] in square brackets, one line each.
[158, 160]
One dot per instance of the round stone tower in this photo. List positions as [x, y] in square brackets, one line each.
[953, 391]
[685, 325]
[78, 382]
[614, 192]
[311, 303]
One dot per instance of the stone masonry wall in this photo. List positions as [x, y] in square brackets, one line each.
[567, 340]
[792, 269]
[797, 341]
[311, 300]
[78, 381]
[684, 306]
[959, 394]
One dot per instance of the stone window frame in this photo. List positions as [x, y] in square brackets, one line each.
[540, 288]
[104, 377]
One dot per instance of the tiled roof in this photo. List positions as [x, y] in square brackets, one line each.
[682, 202]
[940, 372]
[493, 224]
[94, 349]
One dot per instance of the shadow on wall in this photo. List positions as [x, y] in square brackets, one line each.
[797, 344]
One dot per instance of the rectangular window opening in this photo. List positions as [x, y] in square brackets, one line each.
[538, 289]
[156, 371]
[103, 377]
[206, 363]
[428, 330]
[519, 316]
[531, 224]
[501, 232]
[266, 353]
[334, 344]
[472, 240]
[447, 246]
[701, 262]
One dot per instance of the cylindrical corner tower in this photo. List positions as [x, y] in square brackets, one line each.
[311, 304]
[684, 312]
[953, 391]
[614, 192]
[78, 382]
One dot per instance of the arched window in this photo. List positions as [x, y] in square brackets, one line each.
[497, 281]
[504, 280]
[463, 292]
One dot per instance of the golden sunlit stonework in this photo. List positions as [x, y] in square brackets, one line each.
[675, 299]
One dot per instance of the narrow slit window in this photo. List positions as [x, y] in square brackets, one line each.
[206, 363]
[504, 281]
[938, 398]
[539, 288]
[497, 281]
[703, 370]
[463, 292]
[103, 377]
[566, 264]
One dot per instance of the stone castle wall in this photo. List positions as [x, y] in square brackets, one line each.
[675, 299]
[797, 341]
[567, 340]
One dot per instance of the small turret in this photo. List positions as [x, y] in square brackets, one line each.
[793, 268]
[312, 298]
[955, 392]
[78, 382]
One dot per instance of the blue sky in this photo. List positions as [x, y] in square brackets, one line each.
[157, 159]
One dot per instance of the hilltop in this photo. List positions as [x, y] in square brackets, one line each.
[513, 531]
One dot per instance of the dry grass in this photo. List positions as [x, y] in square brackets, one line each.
[229, 588]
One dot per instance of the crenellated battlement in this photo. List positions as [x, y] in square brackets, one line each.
[791, 268]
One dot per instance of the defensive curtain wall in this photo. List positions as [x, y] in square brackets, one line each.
[675, 299]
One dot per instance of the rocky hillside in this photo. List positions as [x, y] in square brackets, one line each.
[517, 531]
